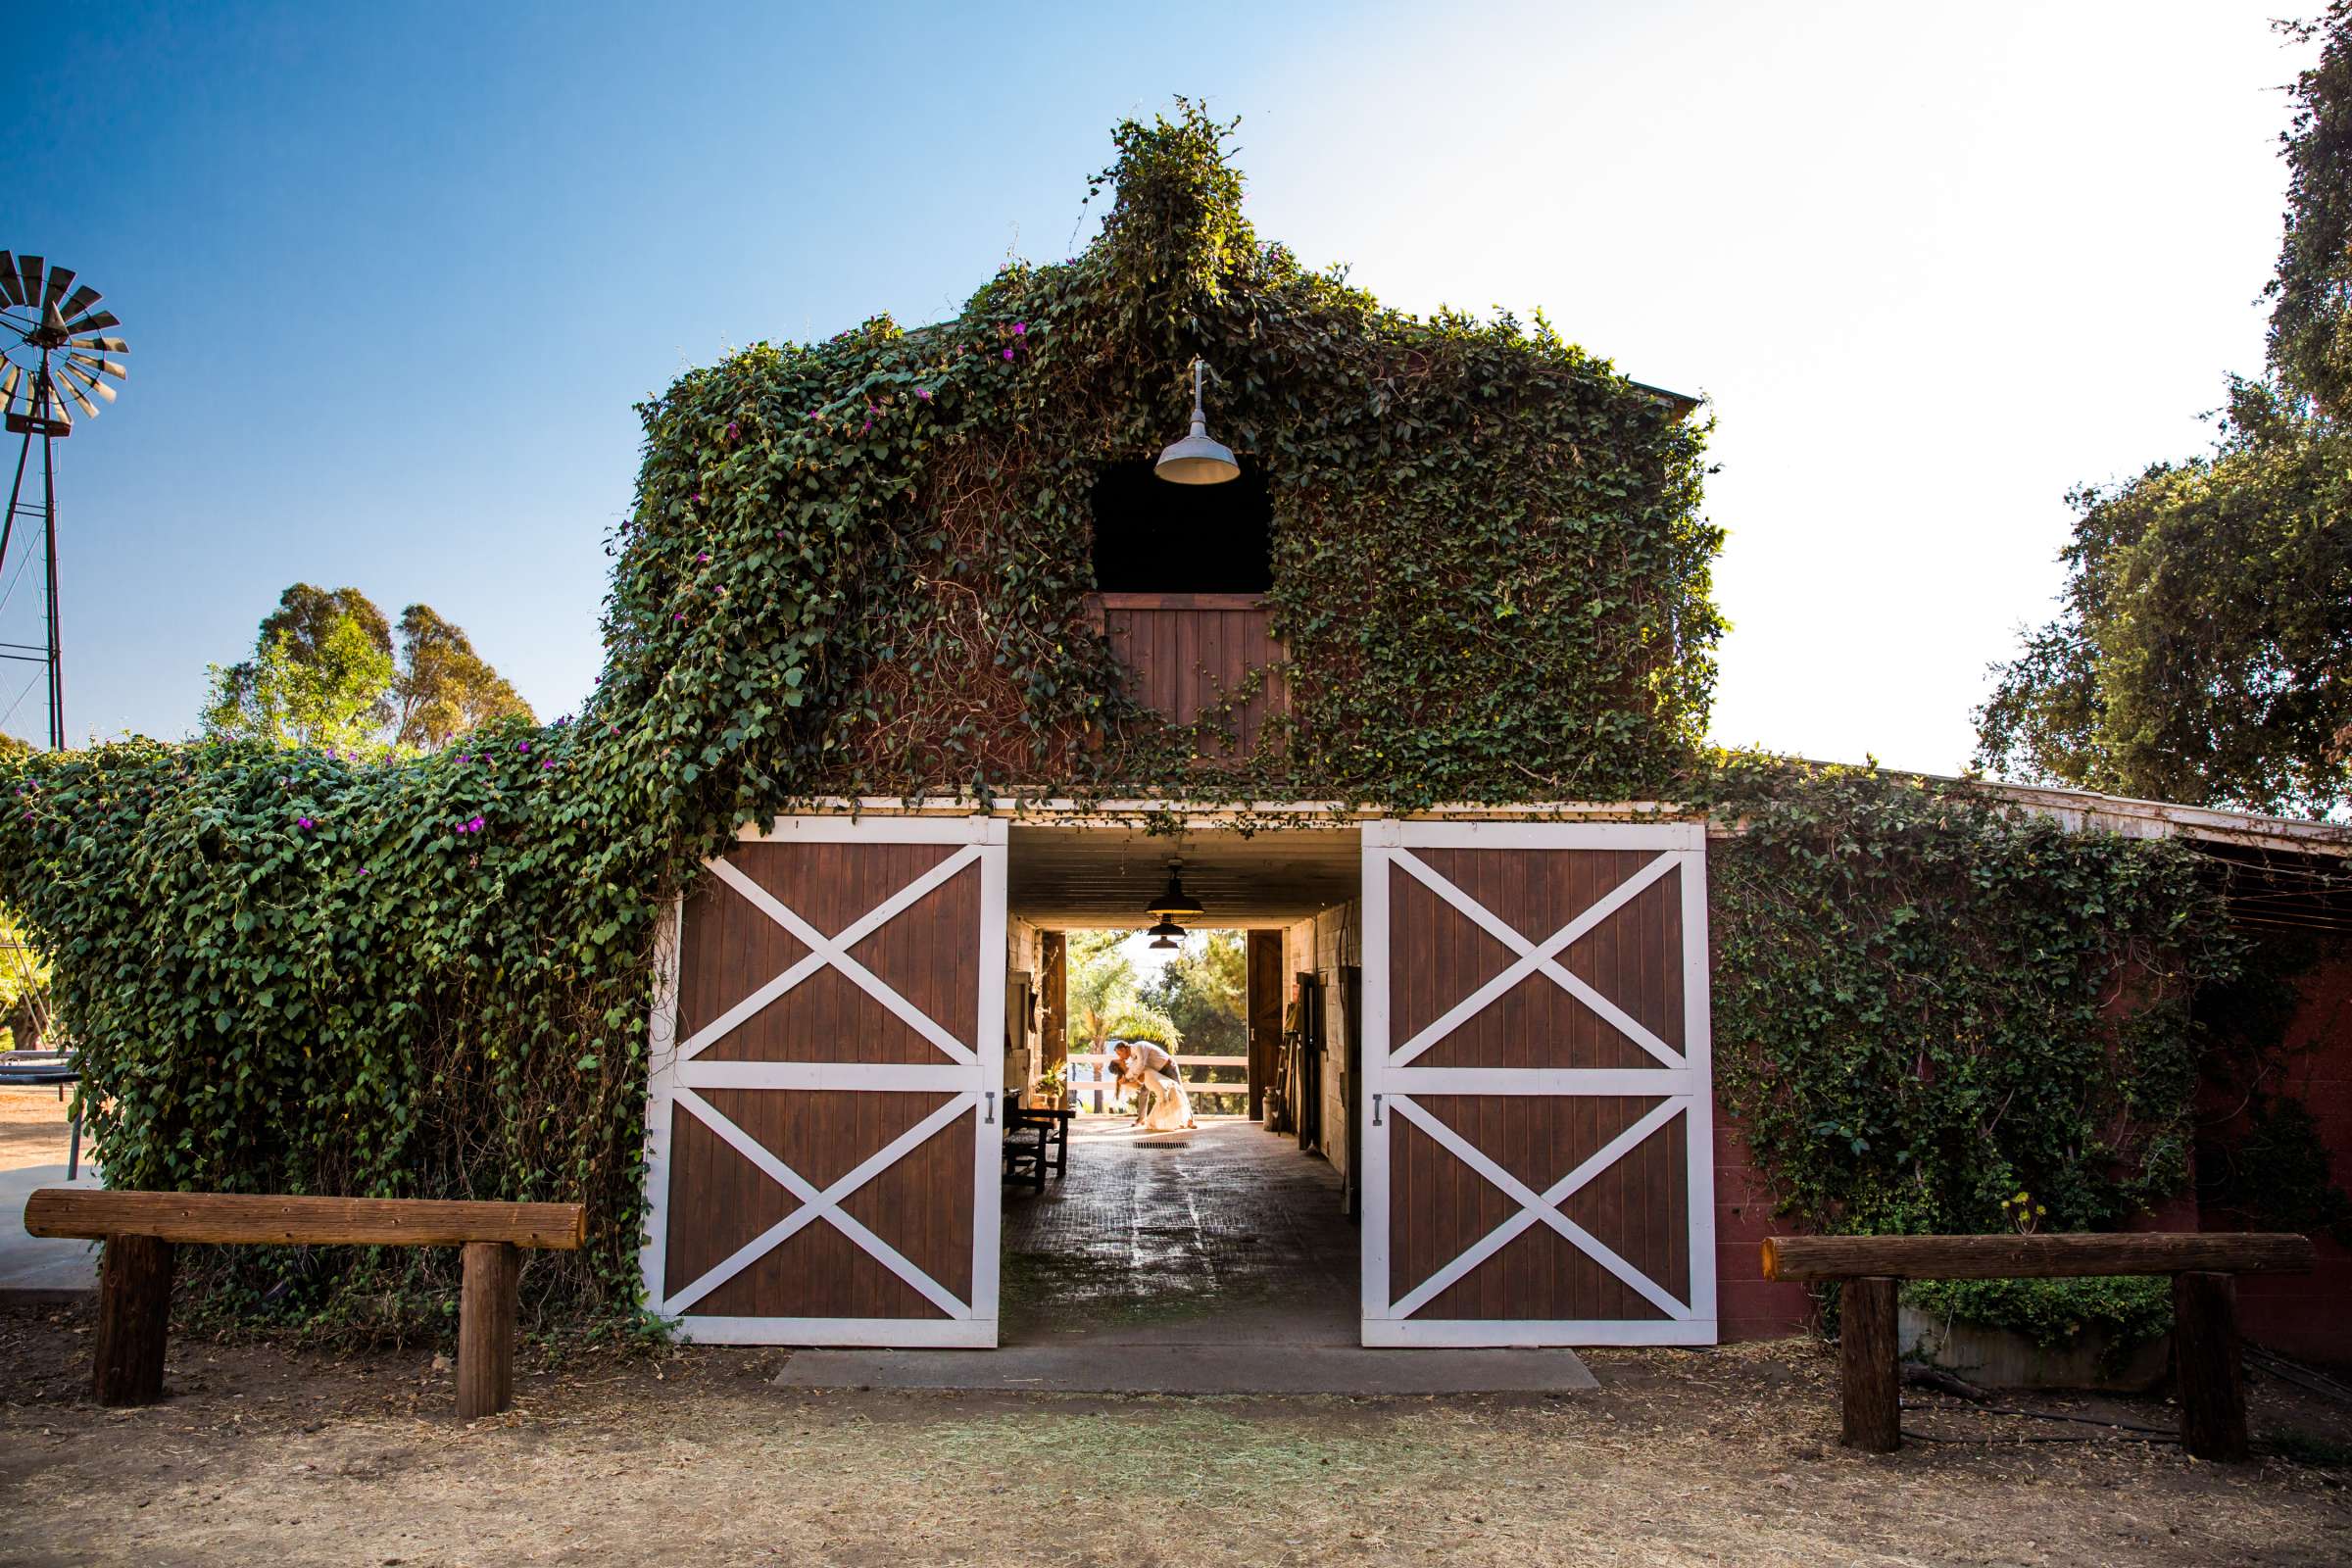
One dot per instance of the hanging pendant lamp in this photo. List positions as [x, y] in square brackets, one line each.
[1173, 902]
[1197, 459]
[1167, 937]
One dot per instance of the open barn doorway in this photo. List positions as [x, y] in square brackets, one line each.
[1204, 1084]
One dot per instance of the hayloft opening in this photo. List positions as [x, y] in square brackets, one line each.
[1152, 536]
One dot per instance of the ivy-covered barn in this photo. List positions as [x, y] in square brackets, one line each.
[918, 661]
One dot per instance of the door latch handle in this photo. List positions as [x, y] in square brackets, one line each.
[990, 1095]
[1374, 1110]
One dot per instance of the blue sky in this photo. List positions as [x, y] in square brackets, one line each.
[393, 277]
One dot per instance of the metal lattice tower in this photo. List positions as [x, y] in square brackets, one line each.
[55, 355]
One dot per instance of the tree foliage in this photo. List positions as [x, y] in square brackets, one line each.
[323, 674]
[2200, 649]
[1204, 991]
[2311, 309]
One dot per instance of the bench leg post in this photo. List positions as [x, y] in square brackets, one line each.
[486, 1315]
[1867, 1353]
[135, 1320]
[2208, 1372]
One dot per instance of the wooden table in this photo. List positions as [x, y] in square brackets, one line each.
[1037, 1140]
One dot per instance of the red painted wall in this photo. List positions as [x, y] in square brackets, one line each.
[2303, 1316]
[1747, 1306]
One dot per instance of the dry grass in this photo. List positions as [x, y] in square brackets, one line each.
[1683, 1457]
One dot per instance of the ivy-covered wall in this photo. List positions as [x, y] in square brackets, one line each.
[856, 568]
[857, 565]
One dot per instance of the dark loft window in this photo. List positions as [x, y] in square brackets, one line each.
[1152, 536]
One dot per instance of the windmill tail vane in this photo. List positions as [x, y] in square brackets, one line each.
[55, 358]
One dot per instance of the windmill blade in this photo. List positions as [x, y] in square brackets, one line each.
[47, 405]
[29, 280]
[102, 344]
[86, 378]
[7, 386]
[88, 407]
[7, 278]
[102, 367]
[91, 323]
[83, 298]
[60, 279]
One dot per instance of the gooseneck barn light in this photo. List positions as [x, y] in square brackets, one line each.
[1197, 459]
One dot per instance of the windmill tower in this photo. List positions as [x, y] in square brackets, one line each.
[55, 357]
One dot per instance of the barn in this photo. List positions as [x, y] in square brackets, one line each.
[926, 649]
[1412, 691]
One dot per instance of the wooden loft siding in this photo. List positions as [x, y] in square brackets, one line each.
[1188, 654]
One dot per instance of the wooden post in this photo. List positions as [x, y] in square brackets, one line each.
[135, 1320]
[2207, 1370]
[486, 1330]
[1867, 1353]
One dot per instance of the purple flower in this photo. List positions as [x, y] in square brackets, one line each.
[923, 392]
[734, 430]
[522, 746]
[548, 767]
[364, 871]
[305, 823]
[1008, 354]
[1021, 329]
[698, 497]
[703, 558]
[464, 757]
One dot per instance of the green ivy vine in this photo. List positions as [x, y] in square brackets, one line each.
[1925, 1004]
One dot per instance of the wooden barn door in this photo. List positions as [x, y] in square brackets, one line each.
[1536, 1115]
[825, 1095]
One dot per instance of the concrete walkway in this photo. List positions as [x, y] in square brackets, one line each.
[34, 1133]
[1209, 1263]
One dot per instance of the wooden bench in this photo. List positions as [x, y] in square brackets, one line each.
[2209, 1374]
[141, 1229]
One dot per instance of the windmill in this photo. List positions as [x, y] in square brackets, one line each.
[56, 355]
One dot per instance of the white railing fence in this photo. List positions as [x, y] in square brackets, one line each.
[1090, 1076]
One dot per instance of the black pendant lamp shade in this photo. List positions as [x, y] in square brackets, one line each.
[1173, 902]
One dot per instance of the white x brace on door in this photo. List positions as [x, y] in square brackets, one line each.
[823, 1110]
[1538, 1130]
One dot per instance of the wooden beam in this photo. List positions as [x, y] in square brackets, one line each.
[1868, 1351]
[2036, 1257]
[135, 1320]
[2207, 1372]
[302, 1221]
[486, 1330]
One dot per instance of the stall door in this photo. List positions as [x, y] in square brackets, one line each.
[827, 1066]
[1536, 1129]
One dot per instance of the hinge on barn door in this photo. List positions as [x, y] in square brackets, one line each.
[990, 1095]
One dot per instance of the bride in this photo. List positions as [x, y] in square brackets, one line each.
[1163, 1106]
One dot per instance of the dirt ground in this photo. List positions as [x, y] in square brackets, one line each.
[264, 1453]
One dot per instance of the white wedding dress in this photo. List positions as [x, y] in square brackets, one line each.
[1167, 1107]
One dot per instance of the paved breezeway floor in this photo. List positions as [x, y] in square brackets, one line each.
[1216, 1262]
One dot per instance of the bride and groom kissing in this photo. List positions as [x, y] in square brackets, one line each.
[1161, 1104]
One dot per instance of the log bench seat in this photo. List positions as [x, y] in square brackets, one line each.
[2208, 1371]
[141, 1232]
